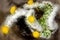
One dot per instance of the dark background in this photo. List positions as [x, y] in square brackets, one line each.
[4, 11]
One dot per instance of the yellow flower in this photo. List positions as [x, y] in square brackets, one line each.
[31, 19]
[30, 2]
[36, 34]
[5, 29]
[12, 9]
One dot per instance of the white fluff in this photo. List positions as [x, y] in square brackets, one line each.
[13, 18]
[51, 22]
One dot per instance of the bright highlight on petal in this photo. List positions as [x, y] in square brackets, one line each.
[36, 34]
[5, 29]
[31, 19]
[12, 9]
[30, 2]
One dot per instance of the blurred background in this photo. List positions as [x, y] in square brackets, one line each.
[4, 11]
